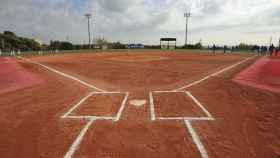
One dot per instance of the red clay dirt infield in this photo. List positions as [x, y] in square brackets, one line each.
[40, 121]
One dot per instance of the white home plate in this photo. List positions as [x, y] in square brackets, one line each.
[137, 102]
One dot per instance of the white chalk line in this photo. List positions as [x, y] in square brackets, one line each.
[116, 118]
[214, 74]
[76, 143]
[77, 105]
[199, 104]
[196, 140]
[122, 107]
[91, 119]
[63, 74]
[187, 118]
[152, 107]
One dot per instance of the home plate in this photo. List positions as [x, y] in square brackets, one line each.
[137, 103]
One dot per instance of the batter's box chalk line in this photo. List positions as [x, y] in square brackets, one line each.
[75, 145]
[187, 120]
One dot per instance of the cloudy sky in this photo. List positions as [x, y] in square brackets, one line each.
[213, 21]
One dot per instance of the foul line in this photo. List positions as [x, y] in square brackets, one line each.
[63, 74]
[78, 140]
[196, 140]
[214, 74]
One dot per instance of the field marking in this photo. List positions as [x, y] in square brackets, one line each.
[122, 107]
[187, 118]
[78, 104]
[78, 140]
[214, 74]
[92, 117]
[63, 74]
[196, 140]
[115, 118]
[152, 107]
[82, 133]
[199, 104]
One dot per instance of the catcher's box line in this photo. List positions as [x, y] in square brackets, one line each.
[213, 74]
[63, 74]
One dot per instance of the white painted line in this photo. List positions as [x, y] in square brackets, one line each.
[78, 104]
[199, 104]
[117, 118]
[91, 117]
[64, 74]
[196, 140]
[168, 91]
[107, 92]
[187, 118]
[214, 74]
[152, 107]
[78, 140]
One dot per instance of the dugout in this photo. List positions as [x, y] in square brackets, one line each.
[168, 43]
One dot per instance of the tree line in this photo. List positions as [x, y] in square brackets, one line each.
[10, 41]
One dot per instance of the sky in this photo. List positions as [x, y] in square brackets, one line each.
[223, 22]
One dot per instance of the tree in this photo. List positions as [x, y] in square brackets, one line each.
[101, 41]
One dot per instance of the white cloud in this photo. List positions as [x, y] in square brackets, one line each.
[219, 21]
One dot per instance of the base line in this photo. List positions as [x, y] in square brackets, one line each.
[78, 140]
[196, 140]
[63, 74]
[214, 74]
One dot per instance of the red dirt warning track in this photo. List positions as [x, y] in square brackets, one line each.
[245, 119]
[14, 77]
[264, 74]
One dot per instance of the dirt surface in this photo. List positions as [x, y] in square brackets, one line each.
[100, 105]
[183, 105]
[246, 119]
[169, 70]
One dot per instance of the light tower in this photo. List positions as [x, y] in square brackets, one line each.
[89, 16]
[187, 16]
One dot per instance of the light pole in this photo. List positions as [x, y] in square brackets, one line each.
[88, 16]
[187, 16]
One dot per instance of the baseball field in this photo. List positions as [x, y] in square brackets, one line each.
[157, 104]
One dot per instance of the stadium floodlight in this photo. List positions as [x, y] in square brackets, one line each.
[89, 16]
[187, 16]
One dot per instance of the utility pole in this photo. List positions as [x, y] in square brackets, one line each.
[187, 16]
[88, 16]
